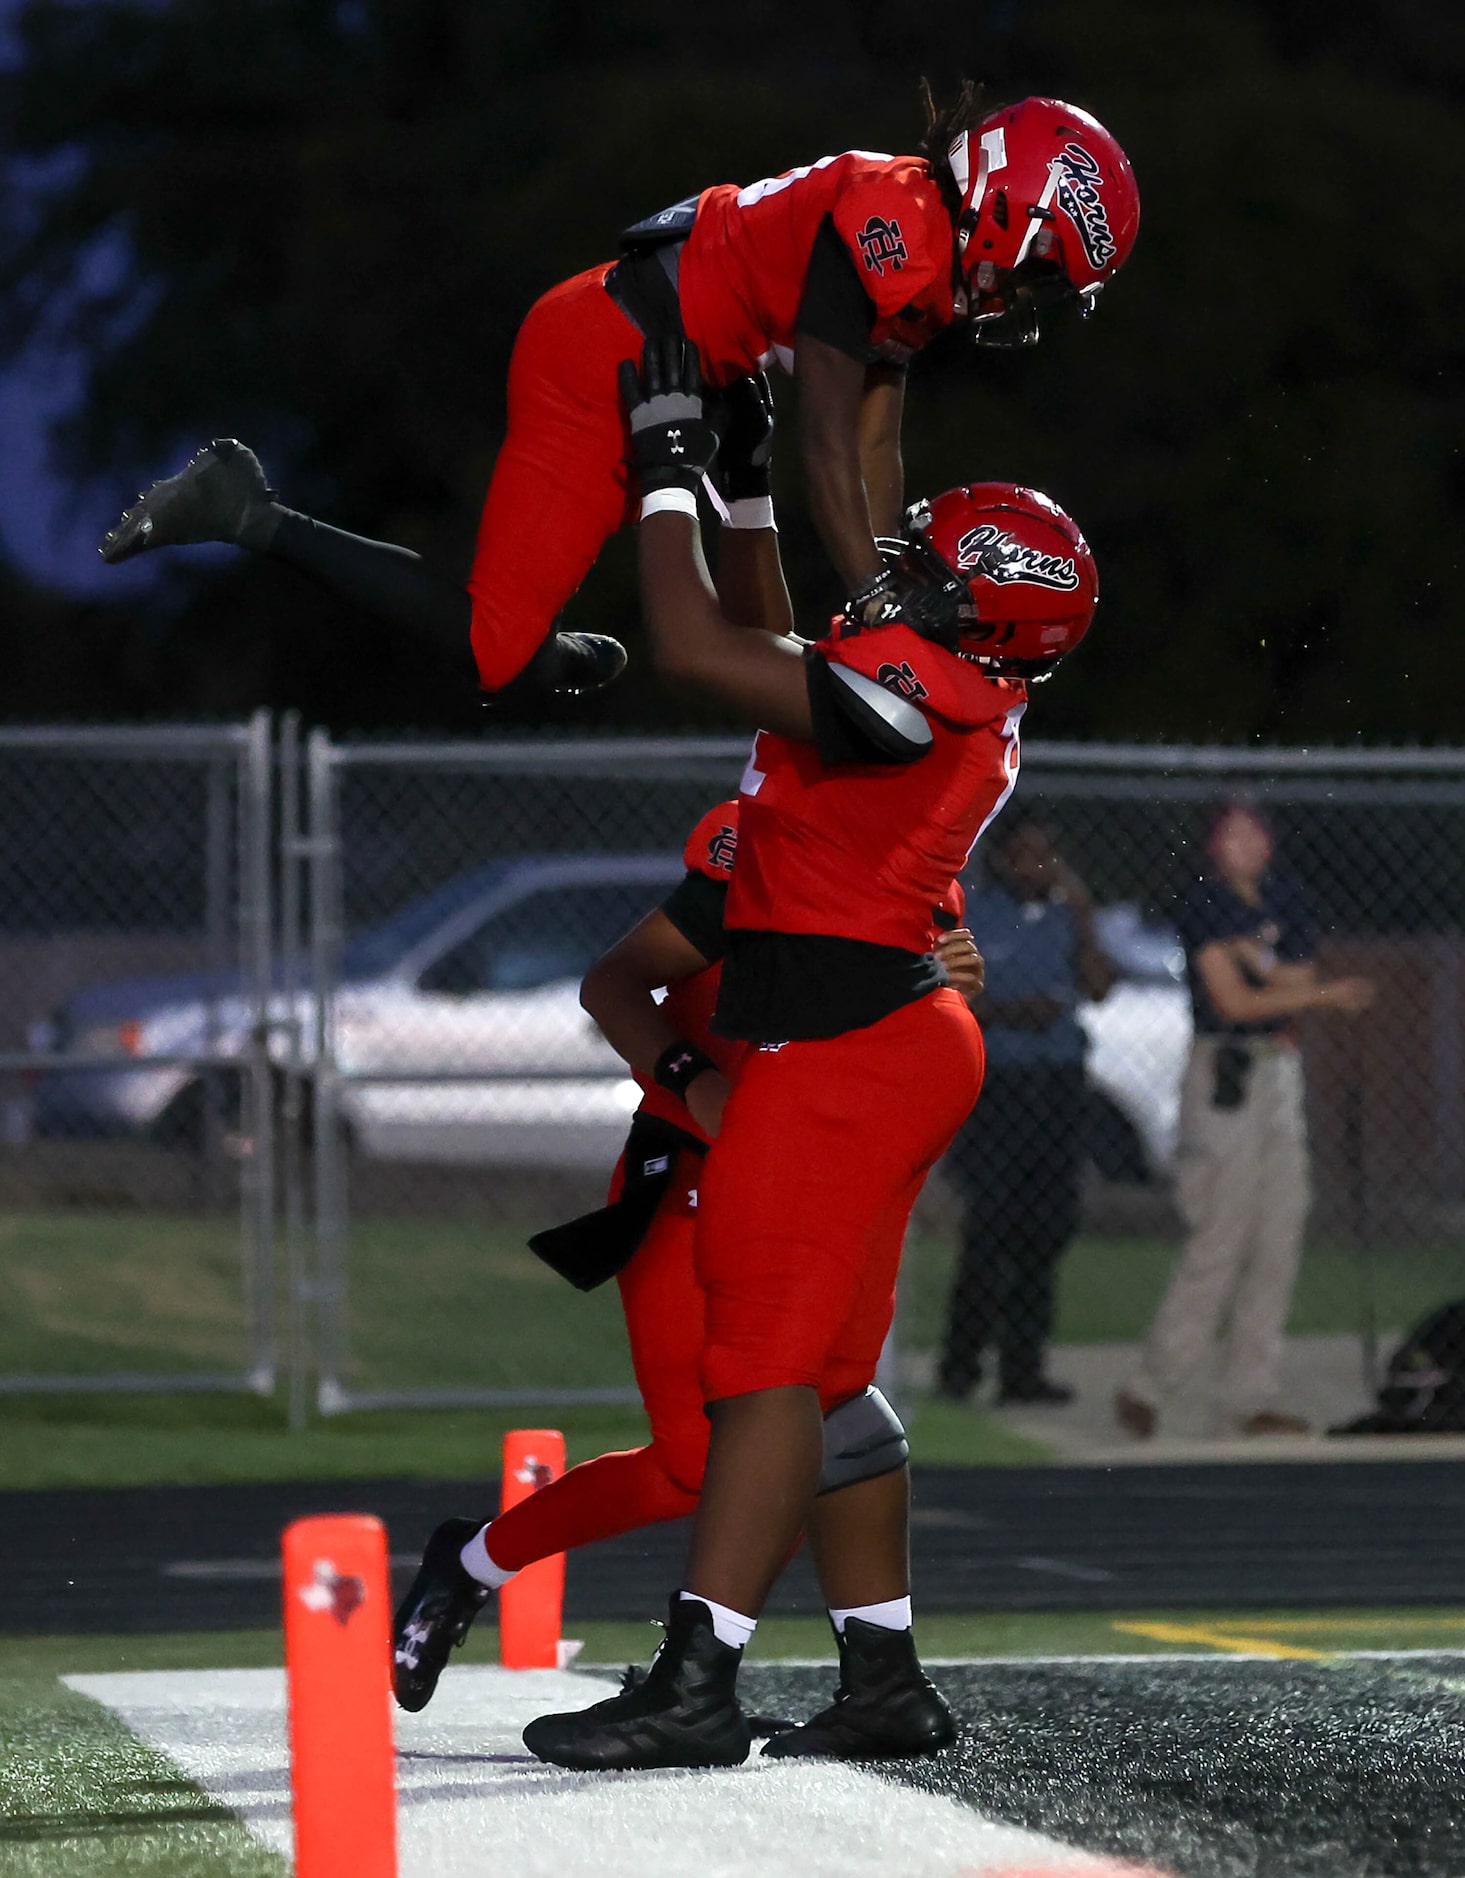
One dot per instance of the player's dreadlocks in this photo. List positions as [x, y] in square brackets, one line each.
[944, 124]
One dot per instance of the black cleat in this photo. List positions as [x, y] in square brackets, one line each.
[221, 495]
[435, 1615]
[571, 665]
[682, 1713]
[885, 1709]
[584, 662]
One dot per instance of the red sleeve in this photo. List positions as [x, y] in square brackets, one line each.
[953, 901]
[937, 681]
[713, 844]
[886, 234]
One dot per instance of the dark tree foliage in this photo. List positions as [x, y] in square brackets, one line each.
[317, 223]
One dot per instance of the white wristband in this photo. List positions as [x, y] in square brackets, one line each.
[752, 512]
[669, 502]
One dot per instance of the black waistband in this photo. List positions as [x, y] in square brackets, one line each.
[780, 987]
[643, 286]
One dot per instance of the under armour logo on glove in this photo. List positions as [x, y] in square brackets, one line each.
[672, 443]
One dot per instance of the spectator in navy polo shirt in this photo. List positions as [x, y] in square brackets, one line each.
[1241, 1166]
[1017, 1162]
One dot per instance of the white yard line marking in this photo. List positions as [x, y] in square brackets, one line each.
[473, 1800]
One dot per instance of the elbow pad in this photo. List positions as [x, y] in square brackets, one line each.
[889, 724]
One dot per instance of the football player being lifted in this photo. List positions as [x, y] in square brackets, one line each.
[839, 271]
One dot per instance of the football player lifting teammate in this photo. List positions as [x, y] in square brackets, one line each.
[839, 271]
[644, 1240]
[885, 753]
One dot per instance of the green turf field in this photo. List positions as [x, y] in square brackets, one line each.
[444, 1302]
[80, 1796]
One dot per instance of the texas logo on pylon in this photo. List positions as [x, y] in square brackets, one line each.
[329, 1590]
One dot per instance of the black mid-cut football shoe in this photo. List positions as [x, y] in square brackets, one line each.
[885, 1709]
[682, 1713]
[220, 495]
[569, 665]
[435, 1615]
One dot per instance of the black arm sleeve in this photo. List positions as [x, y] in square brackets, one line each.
[385, 580]
[696, 907]
[835, 307]
[842, 732]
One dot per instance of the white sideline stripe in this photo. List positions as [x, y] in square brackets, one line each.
[472, 1799]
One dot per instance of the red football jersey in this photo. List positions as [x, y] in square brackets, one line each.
[711, 850]
[865, 850]
[743, 266]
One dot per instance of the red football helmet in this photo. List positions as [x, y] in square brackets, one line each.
[1049, 212]
[1001, 575]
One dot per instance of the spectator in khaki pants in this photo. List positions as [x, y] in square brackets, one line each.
[1241, 1165]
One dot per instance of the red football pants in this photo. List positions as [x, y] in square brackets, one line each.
[617, 1493]
[665, 1319]
[806, 1193]
[559, 486]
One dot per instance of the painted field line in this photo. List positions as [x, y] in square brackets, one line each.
[473, 1800]
[1344, 1625]
[1129, 1657]
[1230, 1641]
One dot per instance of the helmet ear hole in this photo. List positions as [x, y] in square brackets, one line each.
[999, 208]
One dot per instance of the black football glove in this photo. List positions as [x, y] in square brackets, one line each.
[743, 418]
[672, 442]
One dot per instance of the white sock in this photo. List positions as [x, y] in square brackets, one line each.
[478, 1564]
[893, 1614]
[729, 1627]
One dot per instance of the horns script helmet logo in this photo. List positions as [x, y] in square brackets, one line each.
[1029, 578]
[1049, 212]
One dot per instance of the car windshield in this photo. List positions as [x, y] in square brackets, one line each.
[372, 953]
[554, 934]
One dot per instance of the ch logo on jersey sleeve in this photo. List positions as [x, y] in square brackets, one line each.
[900, 678]
[882, 245]
[722, 848]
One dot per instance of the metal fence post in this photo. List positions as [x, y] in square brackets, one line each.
[257, 1184]
[293, 1110]
[326, 927]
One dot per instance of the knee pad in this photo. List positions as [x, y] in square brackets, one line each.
[863, 1438]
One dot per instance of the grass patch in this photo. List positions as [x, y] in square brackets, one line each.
[133, 1441]
[81, 1795]
[140, 1441]
[1108, 1288]
[443, 1302]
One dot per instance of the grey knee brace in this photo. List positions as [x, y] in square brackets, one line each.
[863, 1438]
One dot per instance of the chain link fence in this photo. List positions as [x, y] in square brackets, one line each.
[135, 1125]
[465, 1100]
[1082, 1176]
[395, 1077]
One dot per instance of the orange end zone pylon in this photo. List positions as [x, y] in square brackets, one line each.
[338, 1653]
[532, 1603]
